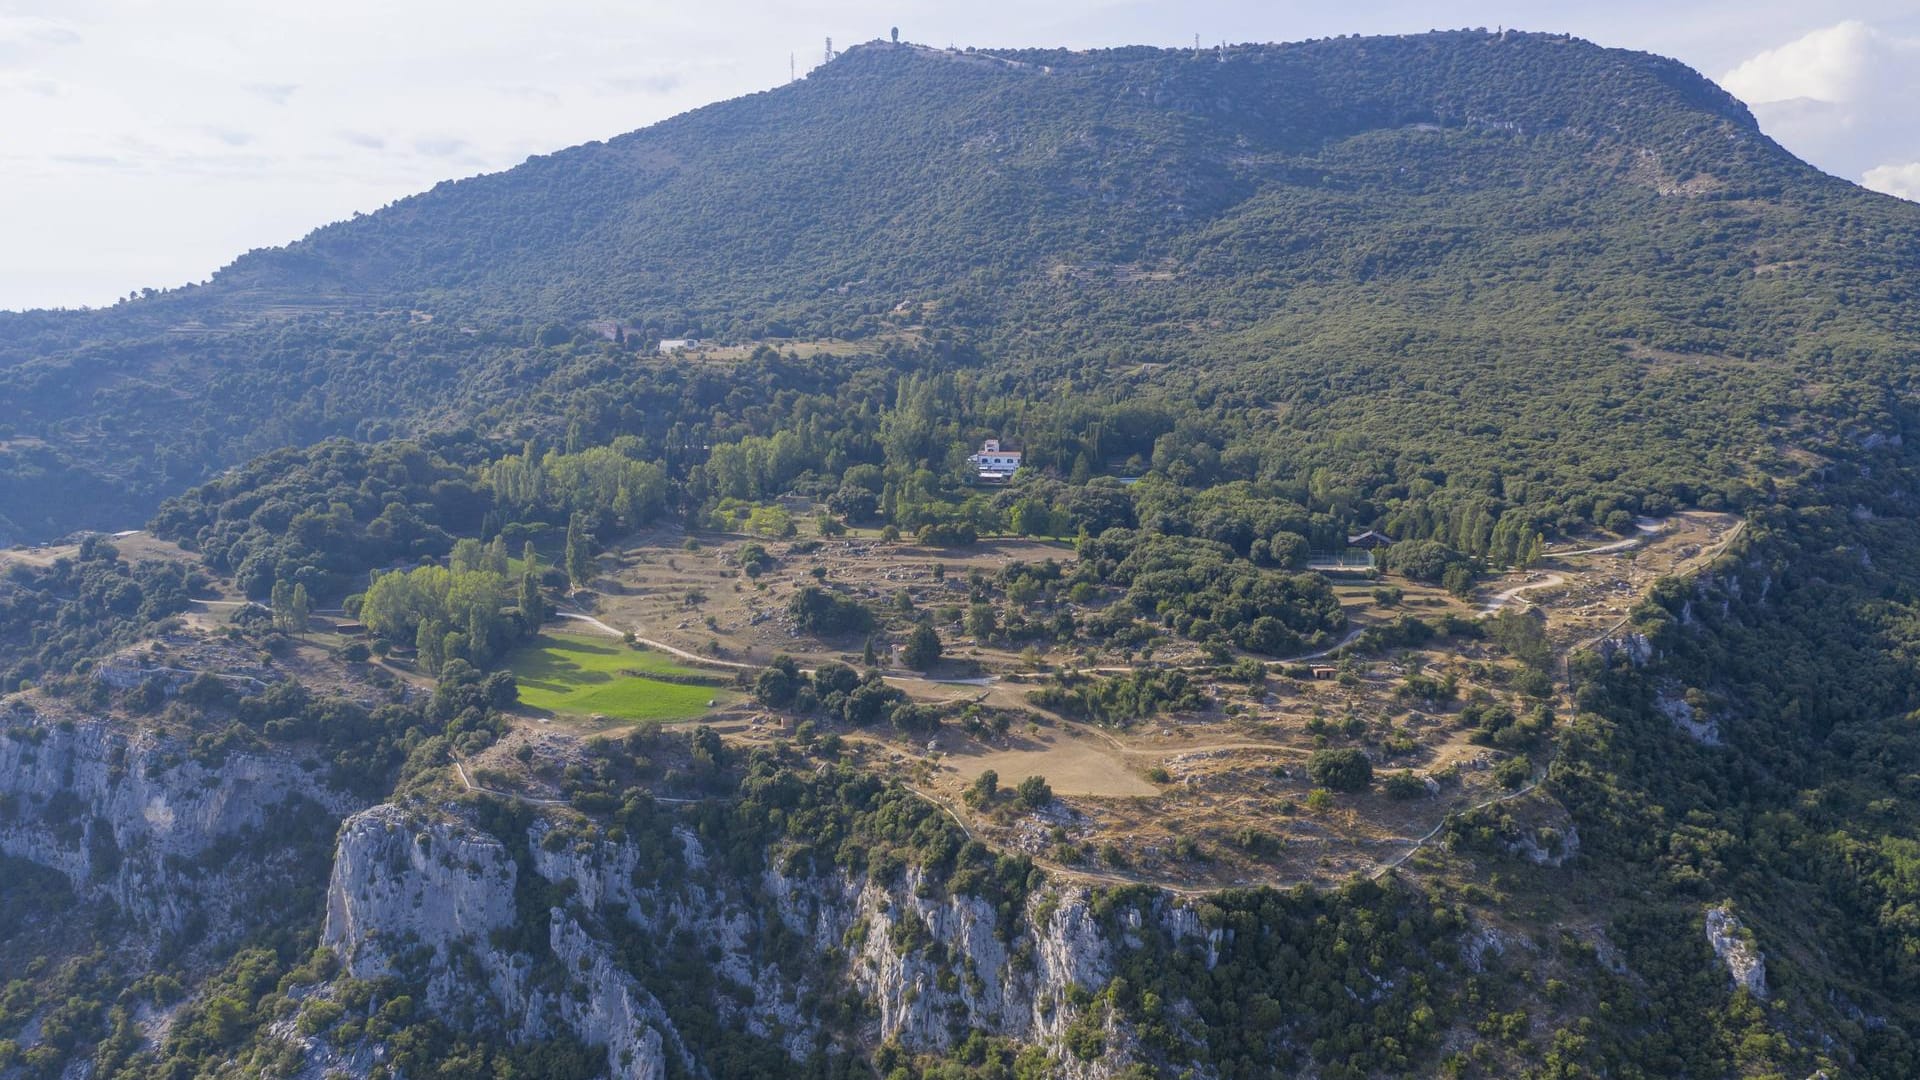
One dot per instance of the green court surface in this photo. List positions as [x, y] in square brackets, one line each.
[583, 675]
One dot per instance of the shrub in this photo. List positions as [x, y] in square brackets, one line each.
[983, 790]
[825, 613]
[1340, 768]
[1513, 772]
[1034, 793]
[1404, 785]
[754, 560]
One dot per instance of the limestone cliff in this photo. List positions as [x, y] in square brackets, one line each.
[426, 895]
[180, 842]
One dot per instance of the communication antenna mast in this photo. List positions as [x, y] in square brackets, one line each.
[829, 50]
[793, 68]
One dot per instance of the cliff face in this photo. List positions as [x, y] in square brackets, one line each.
[539, 934]
[179, 844]
[433, 898]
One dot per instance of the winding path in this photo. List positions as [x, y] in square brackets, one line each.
[1350, 637]
[740, 666]
[1602, 549]
[1647, 529]
[660, 645]
[460, 769]
[1394, 862]
[1508, 596]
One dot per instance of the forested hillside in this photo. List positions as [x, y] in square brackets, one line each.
[1506, 298]
[1491, 252]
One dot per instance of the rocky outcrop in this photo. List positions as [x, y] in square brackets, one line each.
[1633, 645]
[402, 884]
[435, 901]
[1695, 724]
[180, 843]
[1733, 944]
[1547, 845]
[430, 897]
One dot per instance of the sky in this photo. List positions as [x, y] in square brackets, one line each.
[149, 142]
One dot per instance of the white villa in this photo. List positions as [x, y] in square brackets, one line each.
[994, 463]
[670, 346]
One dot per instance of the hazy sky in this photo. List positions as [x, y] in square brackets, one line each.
[148, 142]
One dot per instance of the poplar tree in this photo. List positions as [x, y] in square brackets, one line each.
[298, 609]
[579, 560]
[282, 603]
[532, 604]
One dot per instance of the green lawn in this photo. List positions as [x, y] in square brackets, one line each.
[581, 674]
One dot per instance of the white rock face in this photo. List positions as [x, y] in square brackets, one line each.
[435, 892]
[401, 884]
[1700, 728]
[1746, 964]
[129, 817]
[917, 994]
[615, 1011]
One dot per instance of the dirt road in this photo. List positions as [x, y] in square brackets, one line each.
[1505, 597]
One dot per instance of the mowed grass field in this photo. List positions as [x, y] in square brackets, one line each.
[582, 675]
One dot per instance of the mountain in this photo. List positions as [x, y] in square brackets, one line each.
[1110, 770]
[1442, 218]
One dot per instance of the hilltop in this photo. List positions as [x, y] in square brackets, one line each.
[1406, 236]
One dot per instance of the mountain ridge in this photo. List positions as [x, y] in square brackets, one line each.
[1320, 116]
[1281, 204]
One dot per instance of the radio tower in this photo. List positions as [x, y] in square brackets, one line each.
[829, 50]
[793, 69]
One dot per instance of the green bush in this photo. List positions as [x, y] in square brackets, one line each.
[1340, 769]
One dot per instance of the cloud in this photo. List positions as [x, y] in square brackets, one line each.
[278, 93]
[440, 146]
[38, 87]
[230, 136]
[95, 161]
[1898, 180]
[1842, 98]
[1835, 64]
[535, 94]
[663, 83]
[25, 37]
[365, 140]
